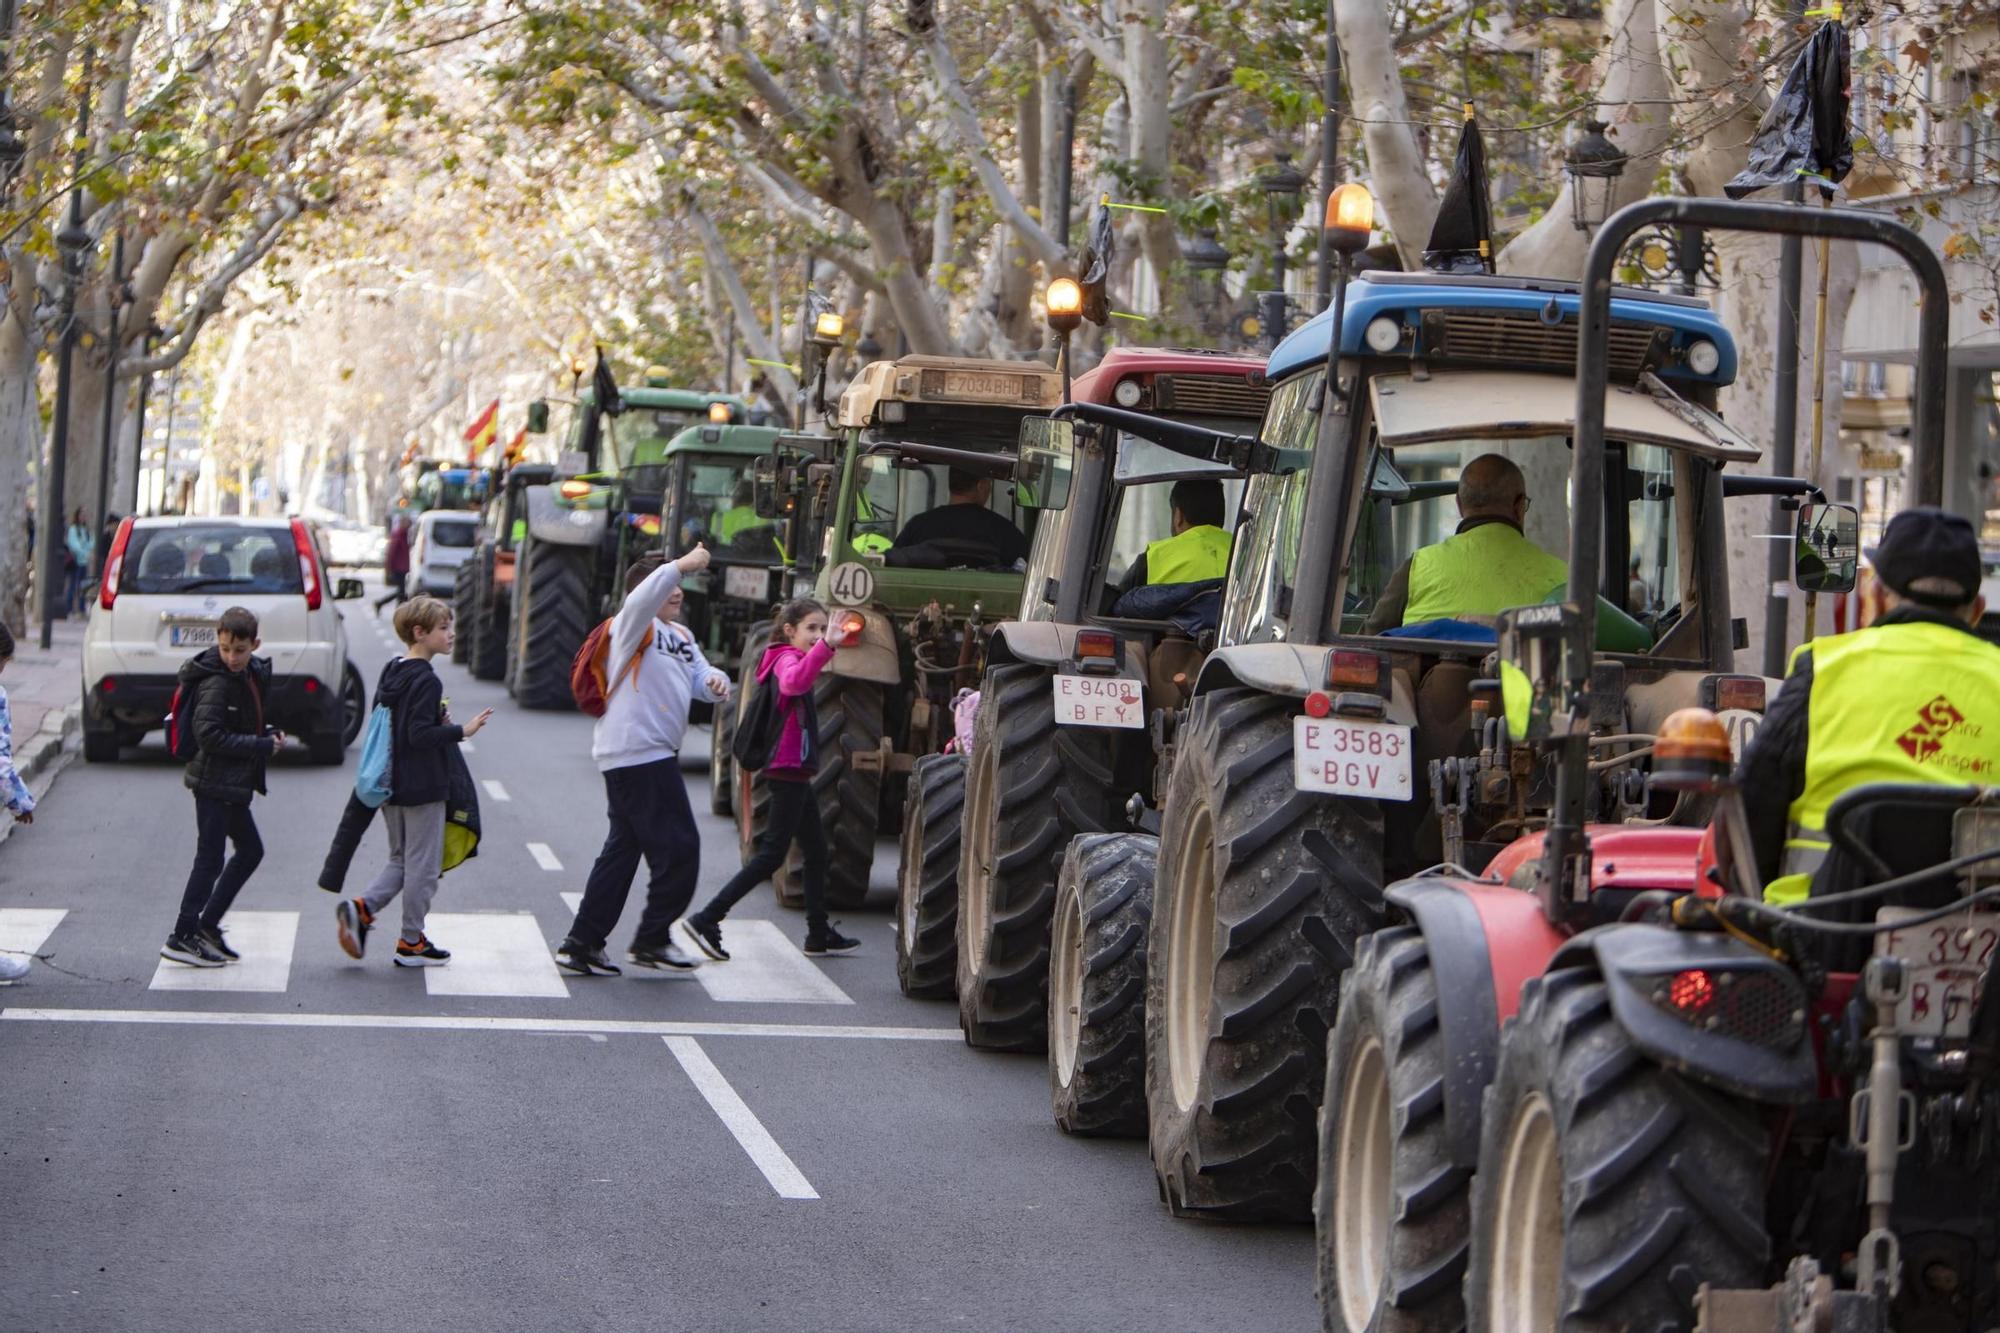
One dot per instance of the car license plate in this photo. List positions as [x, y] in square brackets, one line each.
[747, 582]
[192, 636]
[1351, 757]
[1099, 701]
[1945, 966]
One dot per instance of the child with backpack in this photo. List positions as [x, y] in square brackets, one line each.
[420, 772]
[797, 654]
[639, 672]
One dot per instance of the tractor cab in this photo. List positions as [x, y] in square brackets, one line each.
[708, 497]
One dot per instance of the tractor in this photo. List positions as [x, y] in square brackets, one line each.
[482, 596]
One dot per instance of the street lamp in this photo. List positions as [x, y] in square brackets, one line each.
[1593, 165]
[1282, 184]
[1206, 260]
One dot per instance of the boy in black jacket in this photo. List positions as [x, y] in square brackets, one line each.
[419, 782]
[223, 696]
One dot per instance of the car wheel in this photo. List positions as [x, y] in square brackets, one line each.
[353, 705]
[100, 747]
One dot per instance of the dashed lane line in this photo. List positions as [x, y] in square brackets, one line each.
[544, 855]
[741, 1122]
[612, 1027]
[495, 789]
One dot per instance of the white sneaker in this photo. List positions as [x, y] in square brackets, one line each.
[13, 967]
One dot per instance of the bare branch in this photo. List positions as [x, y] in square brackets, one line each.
[264, 233]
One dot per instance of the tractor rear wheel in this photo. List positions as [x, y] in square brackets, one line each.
[486, 628]
[721, 763]
[851, 720]
[555, 618]
[1097, 984]
[753, 790]
[1263, 893]
[1033, 786]
[927, 878]
[464, 601]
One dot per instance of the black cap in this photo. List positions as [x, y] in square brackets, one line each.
[1930, 556]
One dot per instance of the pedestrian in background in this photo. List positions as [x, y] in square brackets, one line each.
[654, 669]
[222, 695]
[396, 566]
[78, 545]
[19, 800]
[419, 783]
[797, 654]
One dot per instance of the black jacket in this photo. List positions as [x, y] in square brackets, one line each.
[228, 718]
[418, 772]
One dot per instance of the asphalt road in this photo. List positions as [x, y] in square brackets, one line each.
[774, 1143]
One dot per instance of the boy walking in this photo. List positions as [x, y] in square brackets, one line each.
[222, 695]
[419, 782]
[637, 748]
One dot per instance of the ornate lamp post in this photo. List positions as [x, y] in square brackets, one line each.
[1593, 165]
[1206, 261]
[1282, 184]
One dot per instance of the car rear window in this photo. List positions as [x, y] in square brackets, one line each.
[216, 557]
[453, 532]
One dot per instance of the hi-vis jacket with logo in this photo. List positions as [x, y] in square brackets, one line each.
[1914, 698]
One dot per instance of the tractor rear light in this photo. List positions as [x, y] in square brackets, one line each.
[114, 566]
[1733, 692]
[847, 629]
[1691, 992]
[1096, 643]
[308, 564]
[573, 489]
[1763, 1005]
[892, 412]
[1319, 703]
[1129, 393]
[1354, 668]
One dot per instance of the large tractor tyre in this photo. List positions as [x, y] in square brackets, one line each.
[1608, 1189]
[489, 636]
[753, 790]
[927, 879]
[1394, 1214]
[464, 609]
[555, 619]
[1097, 984]
[850, 798]
[721, 763]
[1032, 787]
[1263, 894]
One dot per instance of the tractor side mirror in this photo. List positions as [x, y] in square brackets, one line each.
[1826, 548]
[1537, 648]
[538, 417]
[1045, 463]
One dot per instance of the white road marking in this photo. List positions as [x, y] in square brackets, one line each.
[544, 855]
[264, 939]
[494, 789]
[471, 1023]
[740, 1120]
[573, 901]
[765, 967]
[492, 953]
[25, 930]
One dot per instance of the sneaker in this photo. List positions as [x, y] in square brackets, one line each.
[706, 937]
[668, 957]
[192, 950]
[354, 921]
[827, 941]
[573, 957]
[421, 954]
[212, 937]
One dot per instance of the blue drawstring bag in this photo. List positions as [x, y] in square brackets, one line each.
[371, 775]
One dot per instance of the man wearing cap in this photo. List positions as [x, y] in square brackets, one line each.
[1915, 697]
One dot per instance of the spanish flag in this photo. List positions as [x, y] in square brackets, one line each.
[481, 432]
[515, 448]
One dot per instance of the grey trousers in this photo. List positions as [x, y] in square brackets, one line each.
[416, 859]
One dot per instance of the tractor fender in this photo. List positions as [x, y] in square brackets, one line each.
[1484, 940]
[875, 657]
[552, 523]
[1046, 643]
[1633, 958]
[1293, 671]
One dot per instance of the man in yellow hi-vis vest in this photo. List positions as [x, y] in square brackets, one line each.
[1915, 697]
[1198, 550]
[1484, 568]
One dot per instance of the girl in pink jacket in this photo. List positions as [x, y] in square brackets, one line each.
[798, 653]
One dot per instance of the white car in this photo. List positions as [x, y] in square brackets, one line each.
[166, 583]
[352, 544]
[442, 541]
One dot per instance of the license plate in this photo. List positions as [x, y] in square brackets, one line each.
[192, 636]
[1099, 701]
[747, 582]
[1945, 964]
[1352, 757]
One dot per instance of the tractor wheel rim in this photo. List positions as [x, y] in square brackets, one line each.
[1363, 1200]
[1066, 986]
[909, 871]
[1191, 959]
[1526, 1281]
[979, 828]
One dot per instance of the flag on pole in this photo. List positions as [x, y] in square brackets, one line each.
[482, 431]
[1805, 134]
[515, 448]
[1462, 239]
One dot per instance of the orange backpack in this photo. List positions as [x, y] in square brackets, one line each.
[589, 677]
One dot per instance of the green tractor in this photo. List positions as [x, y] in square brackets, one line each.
[482, 596]
[923, 550]
[601, 512]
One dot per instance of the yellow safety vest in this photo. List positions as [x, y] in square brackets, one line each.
[1910, 702]
[735, 520]
[1195, 556]
[1480, 572]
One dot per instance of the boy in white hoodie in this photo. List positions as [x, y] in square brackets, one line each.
[637, 748]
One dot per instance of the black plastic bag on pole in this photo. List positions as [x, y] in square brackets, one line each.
[1462, 238]
[1095, 278]
[605, 389]
[1805, 133]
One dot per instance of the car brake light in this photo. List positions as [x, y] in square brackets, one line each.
[114, 566]
[1352, 667]
[308, 565]
[109, 685]
[847, 627]
[312, 686]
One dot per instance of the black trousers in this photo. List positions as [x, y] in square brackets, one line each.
[794, 816]
[213, 884]
[650, 817]
[399, 596]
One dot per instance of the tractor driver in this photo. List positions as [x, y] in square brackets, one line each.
[967, 519]
[732, 523]
[1198, 550]
[1485, 567]
[1915, 697]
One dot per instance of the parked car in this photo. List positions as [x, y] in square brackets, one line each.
[443, 541]
[166, 583]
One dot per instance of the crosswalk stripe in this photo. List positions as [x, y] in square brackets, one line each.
[765, 967]
[741, 1122]
[265, 940]
[492, 953]
[544, 855]
[494, 789]
[24, 930]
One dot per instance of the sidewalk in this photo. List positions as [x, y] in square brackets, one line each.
[44, 692]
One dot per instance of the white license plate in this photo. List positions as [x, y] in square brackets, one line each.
[192, 636]
[1099, 701]
[1352, 757]
[1945, 965]
[747, 582]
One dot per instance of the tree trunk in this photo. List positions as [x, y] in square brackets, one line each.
[921, 320]
[1396, 169]
[1148, 88]
[20, 438]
